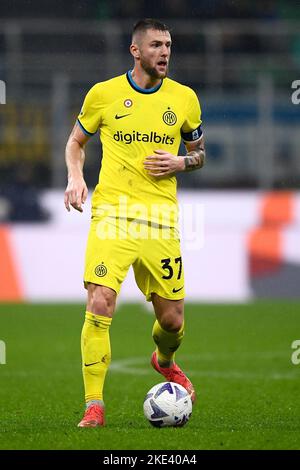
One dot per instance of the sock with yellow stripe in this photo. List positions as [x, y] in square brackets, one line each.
[167, 343]
[96, 354]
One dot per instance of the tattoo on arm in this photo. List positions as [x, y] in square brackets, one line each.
[195, 159]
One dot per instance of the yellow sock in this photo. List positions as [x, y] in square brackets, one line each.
[96, 354]
[167, 343]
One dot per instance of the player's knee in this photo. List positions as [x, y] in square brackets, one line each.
[172, 321]
[101, 306]
[101, 303]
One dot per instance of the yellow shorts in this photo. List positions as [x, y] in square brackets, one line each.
[154, 252]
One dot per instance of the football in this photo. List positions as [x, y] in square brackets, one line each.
[167, 404]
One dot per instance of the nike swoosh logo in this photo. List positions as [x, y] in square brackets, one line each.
[91, 364]
[122, 115]
[177, 290]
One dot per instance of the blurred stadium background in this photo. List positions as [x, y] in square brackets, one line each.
[241, 57]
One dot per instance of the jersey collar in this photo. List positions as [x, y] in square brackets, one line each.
[146, 91]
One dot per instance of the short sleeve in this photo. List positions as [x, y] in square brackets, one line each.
[191, 129]
[89, 117]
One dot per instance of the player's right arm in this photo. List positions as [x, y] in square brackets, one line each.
[87, 124]
[76, 191]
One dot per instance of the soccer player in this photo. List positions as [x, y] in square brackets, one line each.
[142, 116]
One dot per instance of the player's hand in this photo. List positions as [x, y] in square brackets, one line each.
[163, 164]
[76, 194]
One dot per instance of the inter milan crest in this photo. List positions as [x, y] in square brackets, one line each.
[100, 270]
[169, 117]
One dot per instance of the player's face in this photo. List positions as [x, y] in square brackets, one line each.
[155, 51]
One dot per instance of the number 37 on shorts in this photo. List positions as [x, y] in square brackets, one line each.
[156, 262]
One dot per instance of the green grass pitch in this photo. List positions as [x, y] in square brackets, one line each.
[238, 356]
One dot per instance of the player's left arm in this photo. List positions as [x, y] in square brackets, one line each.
[165, 164]
[195, 157]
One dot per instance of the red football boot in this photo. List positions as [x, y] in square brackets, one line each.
[174, 374]
[93, 417]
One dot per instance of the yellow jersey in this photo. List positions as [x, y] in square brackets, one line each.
[133, 122]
